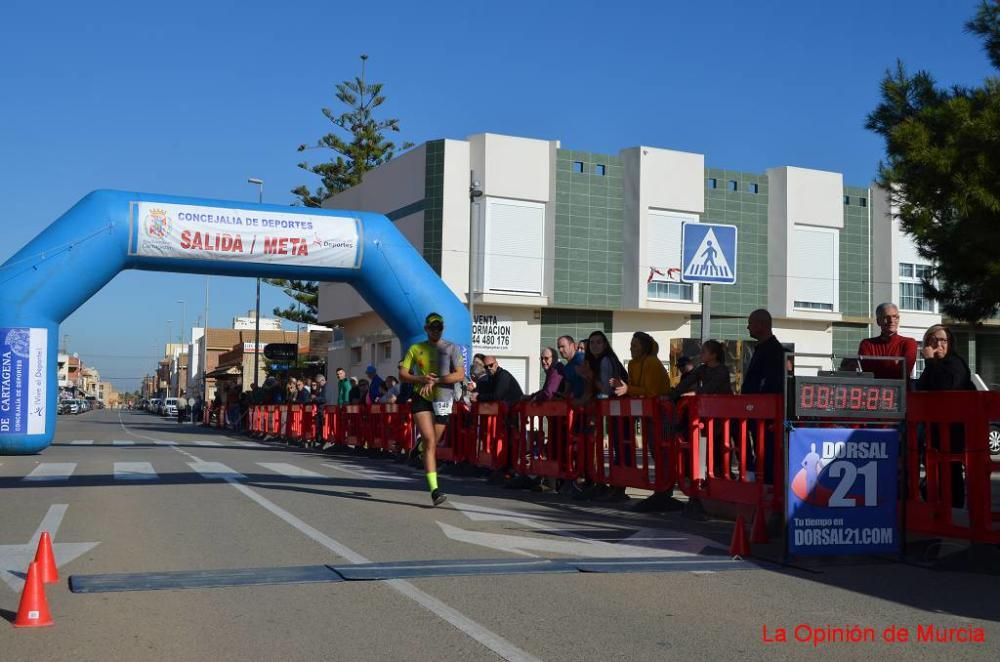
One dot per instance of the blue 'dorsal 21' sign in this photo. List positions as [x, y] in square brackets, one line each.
[842, 491]
[23, 354]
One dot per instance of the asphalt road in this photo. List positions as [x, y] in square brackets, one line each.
[182, 498]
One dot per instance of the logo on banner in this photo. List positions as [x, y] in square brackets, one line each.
[157, 223]
[19, 341]
[827, 478]
[23, 354]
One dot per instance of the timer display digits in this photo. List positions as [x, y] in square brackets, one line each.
[853, 398]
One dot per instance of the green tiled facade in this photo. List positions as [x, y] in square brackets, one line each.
[577, 323]
[722, 328]
[855, 285]
[588, 231]
[846, 338]
[748, 212]
[433, 203]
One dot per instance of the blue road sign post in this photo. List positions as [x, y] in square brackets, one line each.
[708, 255]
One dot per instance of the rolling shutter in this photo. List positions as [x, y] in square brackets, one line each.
[514, 247]
[813, 268]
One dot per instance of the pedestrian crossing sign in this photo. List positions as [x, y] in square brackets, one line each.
[708, 253]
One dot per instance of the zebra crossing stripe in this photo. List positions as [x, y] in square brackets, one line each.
[51, 471]
[289, 470]
[82, 442]
[208, 443]
[134, 471]
[216, 470]
[123, 442]
[369, 475]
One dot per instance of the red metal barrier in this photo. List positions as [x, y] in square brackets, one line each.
[391, 427]
[308, 430]
[549, 440]
[455, 447]
[490, 439]
[331, 423]
[353, 429]
[716, 422]
[947, 435]
[630, 445]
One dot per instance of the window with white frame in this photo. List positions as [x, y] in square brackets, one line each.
[514, 247]
[911, 287]
[814, 268]
[663, 252]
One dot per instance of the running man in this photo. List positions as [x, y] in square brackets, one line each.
[433, 367]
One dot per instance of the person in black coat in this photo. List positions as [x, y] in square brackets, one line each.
[765, 374]
[944, 370]
[501, 387]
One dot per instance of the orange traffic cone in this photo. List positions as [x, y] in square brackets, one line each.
[46, 560]
[758, 530]
[33, 611]
[740, 545]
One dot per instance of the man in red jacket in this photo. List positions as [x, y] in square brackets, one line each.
[888, 343]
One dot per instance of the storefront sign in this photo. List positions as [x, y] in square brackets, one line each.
[245, 235]
[23, 357]
[491, 333]
[842, 491]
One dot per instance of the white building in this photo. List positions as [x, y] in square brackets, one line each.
[566, 242]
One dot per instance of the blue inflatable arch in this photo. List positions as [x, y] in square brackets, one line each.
[109, 231]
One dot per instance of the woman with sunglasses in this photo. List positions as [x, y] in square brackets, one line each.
[944, 370]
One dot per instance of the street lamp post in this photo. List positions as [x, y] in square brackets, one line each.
[474, 192]
[256, 326]
[183, 338]
[166, 355]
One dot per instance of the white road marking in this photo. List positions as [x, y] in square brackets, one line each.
[15, 558]
[82, 442]
[52, 471]
[162, 442]
[216, 470]
[207, 443]
[567, 545]
[484, 514]
[368, 475]
[123, 442]
[487, 638]
[249, 444]
[463, 623]
[289, 470]
[134, 471]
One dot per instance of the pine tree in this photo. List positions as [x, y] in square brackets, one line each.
[365, 147]
[943, 170]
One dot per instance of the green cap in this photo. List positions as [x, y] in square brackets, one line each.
[433, 317]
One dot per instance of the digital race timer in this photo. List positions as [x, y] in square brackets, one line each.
[849, 397]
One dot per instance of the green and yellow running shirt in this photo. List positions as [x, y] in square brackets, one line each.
[441, 359]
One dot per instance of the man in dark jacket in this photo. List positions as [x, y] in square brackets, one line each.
[766, 374]
[501, 386]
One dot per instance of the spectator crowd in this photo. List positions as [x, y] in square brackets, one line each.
[588, 369]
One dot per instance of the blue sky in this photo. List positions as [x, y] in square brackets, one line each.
[191, 98]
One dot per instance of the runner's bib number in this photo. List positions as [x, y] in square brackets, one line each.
[442, 408]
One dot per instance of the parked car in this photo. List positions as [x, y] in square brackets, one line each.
[72, 406]
[169, 407]
[154, 405]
